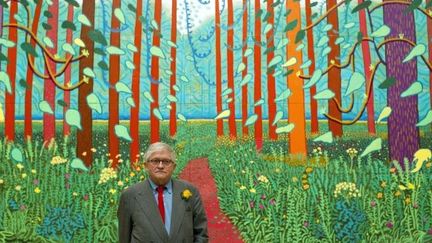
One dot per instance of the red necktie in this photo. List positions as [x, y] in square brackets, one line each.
[160, 191]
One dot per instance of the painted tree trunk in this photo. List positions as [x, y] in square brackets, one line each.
[154, 87]
[218, 54]
[173, 68]
[334, 75]
[245, 113]
[403, 135]
[311, 56]
[257, 76]
[28, 117]
[230, 71]
[134, 119]
[11, 71]
[49, 86]
[271, 86]
[1, 34]
[68, 73]
[367, 71]
[85, 135]
[296, 108]
[114, 77]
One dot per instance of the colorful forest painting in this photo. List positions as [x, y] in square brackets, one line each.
[313, 118]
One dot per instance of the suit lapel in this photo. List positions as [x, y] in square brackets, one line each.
[146, 201]
[178, 208]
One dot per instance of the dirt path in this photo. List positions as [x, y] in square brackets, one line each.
[220, 227]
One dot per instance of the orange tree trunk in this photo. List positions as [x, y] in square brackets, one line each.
[219, 122]
[85, 135]
[230, 70]
[154, 86]
[68, 72]
[271, 87]
[311, 56]
[245, 113]
[334, 75]
[114, 77]
[257, 76]
[134, 120]
[173, 67]
[296, 110]
[367, 71]
[11, 71]
[28, 119]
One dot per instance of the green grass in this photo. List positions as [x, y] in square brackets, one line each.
[269, 196]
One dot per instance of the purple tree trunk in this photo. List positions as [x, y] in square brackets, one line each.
[403, 135]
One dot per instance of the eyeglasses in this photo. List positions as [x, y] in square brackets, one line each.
[165, 162]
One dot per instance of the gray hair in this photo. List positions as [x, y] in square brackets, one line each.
[159, 146]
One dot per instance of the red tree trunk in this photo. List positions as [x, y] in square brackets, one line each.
[230, 70]
[367, 71]
[271, 86]
[68, 72]
[311, 56]
[11, 71]
[114, 77]
[219, 122]
[85, 136]
[173, 67]
[245, 113]
[154, 87]
[257, 77]
[28, 119]
[334, 75]
[403, 135]
[49, 86]
[134, 120]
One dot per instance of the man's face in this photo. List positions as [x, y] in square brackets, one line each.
[159, 170]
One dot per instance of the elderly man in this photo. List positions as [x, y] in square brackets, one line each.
[161, 209]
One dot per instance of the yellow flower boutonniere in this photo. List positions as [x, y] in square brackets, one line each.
[186, 194]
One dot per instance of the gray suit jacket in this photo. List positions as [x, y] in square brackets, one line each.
[140, 221]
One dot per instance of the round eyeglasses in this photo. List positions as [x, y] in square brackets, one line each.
[165, 162]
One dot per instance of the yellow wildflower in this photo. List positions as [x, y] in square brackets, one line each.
[242, 187]
[380, 195]
[186, 194]
[18, 188]
[37, 190]
[19, 166]
[252, 190]
[112, 191]
[33, 171]
[23, 175]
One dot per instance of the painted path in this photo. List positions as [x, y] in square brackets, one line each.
[220, 227]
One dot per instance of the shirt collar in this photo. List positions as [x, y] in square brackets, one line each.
[168, 186]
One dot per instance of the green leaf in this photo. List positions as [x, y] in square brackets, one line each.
[47, 14]
[361, 6]
[28, 48]
[94, 102]
[418, 50]
[426, 120]
[269, 50]
[114, 50]
[387, 83]
[251, 120]
[61, 102]
[375, 145]
[324, 95]
[414, 5]
[3, 57]
[102, 64]
[46, 26]
[385, 112]
[359, 36]
[73, 3]
[119, 15]
[45, 107]
[68, 48]
[68, 25]
[122, 87]
[73, 118]
[77, 163]
[89, 72]
[156, 51]
[278, 116]
[266, 17]
[99, 51]
[314, 15]
[414, 89]
[290, 26]
[24, 2]
[326, 138]
[285, 129]
[258, 14]
[97, 36]
[181, 117]
[382, 31]
[4, 4]
[122, 132]
[16, 155]
[314, 4]
[23, 84]
[131, 8]
[300, 36]
[356, 82]
[84, 20]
